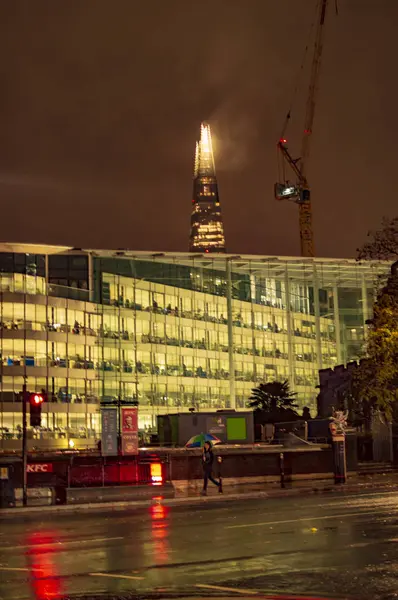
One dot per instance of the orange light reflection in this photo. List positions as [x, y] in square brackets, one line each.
[160, 532]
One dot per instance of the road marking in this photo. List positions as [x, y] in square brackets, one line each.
[19, 569]
[342, 516]
[365, 494]
[106, 539]
[115, 575]
[227, 589]
[71, 542]
[372, 542]
[356, 498]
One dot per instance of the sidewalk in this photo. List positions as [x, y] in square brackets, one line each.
[240, 492]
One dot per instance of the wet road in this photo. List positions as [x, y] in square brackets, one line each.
[330, 545]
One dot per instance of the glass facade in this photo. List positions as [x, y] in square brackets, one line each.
[173, 331]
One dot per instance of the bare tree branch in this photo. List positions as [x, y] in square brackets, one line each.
[383, 244]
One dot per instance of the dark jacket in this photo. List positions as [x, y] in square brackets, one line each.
[207, 459]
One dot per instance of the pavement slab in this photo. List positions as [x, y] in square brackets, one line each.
[231, 493]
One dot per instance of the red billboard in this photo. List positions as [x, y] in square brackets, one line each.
[129, 419]
[129, 430]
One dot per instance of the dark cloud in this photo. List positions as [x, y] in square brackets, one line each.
[101, 105]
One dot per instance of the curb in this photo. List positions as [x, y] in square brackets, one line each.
[193, 500]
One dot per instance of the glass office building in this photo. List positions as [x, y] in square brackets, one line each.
[171, 330]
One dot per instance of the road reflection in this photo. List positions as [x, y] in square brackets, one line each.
[44, 576]
[160, 533]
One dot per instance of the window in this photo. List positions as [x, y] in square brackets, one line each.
[68, 270]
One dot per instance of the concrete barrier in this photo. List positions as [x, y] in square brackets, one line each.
[90, 495]
[254, 464]
[36, 496]
[185, 487]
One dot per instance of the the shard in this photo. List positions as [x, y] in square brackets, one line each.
[207, 230]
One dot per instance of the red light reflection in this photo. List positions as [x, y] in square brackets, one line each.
[45, 580]
[160, 532]
[159, 512]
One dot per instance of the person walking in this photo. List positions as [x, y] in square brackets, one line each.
[207, 461]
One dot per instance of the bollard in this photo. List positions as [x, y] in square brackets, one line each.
[282, 469]
[339, 459]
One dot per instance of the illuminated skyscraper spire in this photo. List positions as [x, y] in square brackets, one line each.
[207, 231]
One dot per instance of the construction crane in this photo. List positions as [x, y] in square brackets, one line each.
[299, 191]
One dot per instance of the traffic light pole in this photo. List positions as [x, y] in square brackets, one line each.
[24, 447]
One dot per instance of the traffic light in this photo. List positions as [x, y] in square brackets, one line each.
[35, 401]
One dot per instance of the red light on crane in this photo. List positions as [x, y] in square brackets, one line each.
[283, 141]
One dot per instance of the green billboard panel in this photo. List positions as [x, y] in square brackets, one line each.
[236, 428]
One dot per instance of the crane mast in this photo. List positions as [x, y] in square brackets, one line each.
[300, 192]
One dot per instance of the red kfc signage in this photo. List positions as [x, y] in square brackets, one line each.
[129, 420]
[129, 430]
[39, 468]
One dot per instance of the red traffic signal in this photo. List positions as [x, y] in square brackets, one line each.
[35, 401]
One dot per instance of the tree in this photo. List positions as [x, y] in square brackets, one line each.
[383, 244]
[376, 379]
[360, 410]
[273, 401]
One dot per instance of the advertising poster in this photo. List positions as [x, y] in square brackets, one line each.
[109, 432]
[216, 426]
[129, 429]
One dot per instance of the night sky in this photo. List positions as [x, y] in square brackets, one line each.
[101, 104]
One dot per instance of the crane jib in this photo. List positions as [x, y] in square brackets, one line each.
[299, 191]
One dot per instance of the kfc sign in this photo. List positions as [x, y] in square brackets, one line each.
[129, 430]
[39, 468]
[129, 420]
